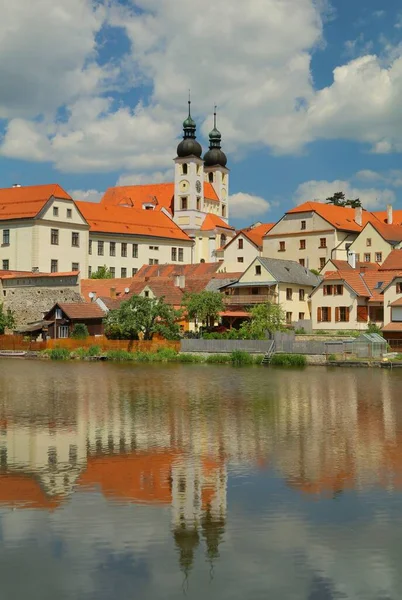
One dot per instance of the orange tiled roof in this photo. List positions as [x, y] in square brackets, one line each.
[256, 234]
[393, 327]
[338, 216]
[343, 265]
[382, 216]
[212, 221]
[393, 261]
[102, 287]
[365, 284]
[209, 192]
[27, 201]
[197, 270]
[390, 233]
[106, 218]
[81, 310]
[29, 274]
[173, 295]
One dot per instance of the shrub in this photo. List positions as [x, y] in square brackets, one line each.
[331, 357]
[120, 355]
[239, 358]
[94, 350]
[218, 359]
[166, 354]
[190, 358]
[373, 328]
[300, 331]
[289, 360]
[80, 331]
[58, 353]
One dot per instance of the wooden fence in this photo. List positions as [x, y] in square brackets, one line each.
[19, 343]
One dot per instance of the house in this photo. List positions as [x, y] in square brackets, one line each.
[283, 282]
[243, 247]
[313, 233]
[350, 264]
[62, 317]
[376, 241]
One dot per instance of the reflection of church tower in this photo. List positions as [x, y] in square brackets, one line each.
[213, 530]
[187, 539]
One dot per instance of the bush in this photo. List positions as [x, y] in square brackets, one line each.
[190, 358]
[289, 360]
[58, 353]
[331, 357]
[218, 359]
[166, 354]
[120, 355]
[80, 331]
[239, 358]
[373, 328]
[300, 331]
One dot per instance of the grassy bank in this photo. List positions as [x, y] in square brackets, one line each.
[289, 360]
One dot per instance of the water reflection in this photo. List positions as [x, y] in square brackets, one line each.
[182, 440]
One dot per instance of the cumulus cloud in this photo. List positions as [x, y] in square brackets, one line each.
[246, 205]
[86, 195]
[320, 190]
[144, 178]
[392, 177]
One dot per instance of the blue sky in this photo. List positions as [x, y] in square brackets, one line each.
[93, 94]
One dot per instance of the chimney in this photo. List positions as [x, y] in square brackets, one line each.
[363, 269]
[113, 292]
[389, 214]
[352, 259]
[359, 215]
[92, 296]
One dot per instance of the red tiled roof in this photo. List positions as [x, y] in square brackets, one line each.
[343, 265]
[390, 233]
[102, 287]
[365, 284]
[393, 261]
[256, 234]
[172, 294]
[392, 327]
[338, 216]
[234, 313]
[352, 278]
[212, 221]
[27, 201]
[197, 270]
[209, 192]
[116, 219]
[111, 303]
[82, 310]
[397, 302]
[160, 194]
[29, 274]
[382, 216]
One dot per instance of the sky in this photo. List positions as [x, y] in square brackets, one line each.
[93, 94]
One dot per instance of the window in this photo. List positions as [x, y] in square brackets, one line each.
[58, 313]
[112, 272]
[302, 244]
[69, 213]
[357, 257]
[223, 211]
[302, 262]
[124, 249]
[112, 249]
[399, 287]
[303, 225]
[184, 203]
[322, 262]
[323, 242]
[367, 257]
[75, 239]
[154, 247]
[90, 247]
[301, 295]
[75, 267]
[181, 255]
[301, 316]
[378, 257]
[63, 331]
[146, 294]
[6, 237]
[55, 211]
[210, 177]
[240, 259]
[135, 250]
[123, 272]
[174, 254]
[289, 293]
[240, 244]
[289, 318]
[258, 269]
[134, 271]
[54, 237]
[254, 291]
[338, 290]
[100, 248]
[223, 240]
[342, 314]
[324, 314]
[54, 266]
[184, 168]
[368, 242]
[6, 264]
[282, 246]
[89, 272]
[153, 261]
[198, 203]
[328, 290]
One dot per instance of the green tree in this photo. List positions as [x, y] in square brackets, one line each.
[102, 273]
[264, 317]
[80, 331]
[142, 317]
[7, 320]
[338, 199]
[204, 306]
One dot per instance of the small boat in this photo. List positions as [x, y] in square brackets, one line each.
[12, 353]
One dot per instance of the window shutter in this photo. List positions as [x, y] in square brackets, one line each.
[347, 313]
[329, 314]
[337, 311]
[319, 314]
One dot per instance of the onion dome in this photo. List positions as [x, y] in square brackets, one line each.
[215, 156]
[189, 145]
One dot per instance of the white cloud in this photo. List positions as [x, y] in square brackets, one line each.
[392, 177]
[368, 175]
[245, 205]
[86, 195]
[320, 190]
[144, 178]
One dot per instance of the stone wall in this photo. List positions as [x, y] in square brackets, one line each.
[29, 303]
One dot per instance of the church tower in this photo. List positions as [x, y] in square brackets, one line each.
[215, 170]
[189, 177]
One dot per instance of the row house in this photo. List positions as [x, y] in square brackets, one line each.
[244, 247]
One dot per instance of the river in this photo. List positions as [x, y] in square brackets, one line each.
[160, 482]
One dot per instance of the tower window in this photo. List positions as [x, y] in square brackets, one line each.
[198, 203]
[223, 210]
[184, 203]
[184, 169]
[223, 240]
[210, 177]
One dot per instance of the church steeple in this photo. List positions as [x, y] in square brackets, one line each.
[189, 145]
[215, 156]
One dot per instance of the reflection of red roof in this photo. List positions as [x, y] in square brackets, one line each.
[25, 492]
[212, 221]
[142, 478]
[26, 202]
[338, 216]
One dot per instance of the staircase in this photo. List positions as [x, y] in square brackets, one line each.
[268, 355]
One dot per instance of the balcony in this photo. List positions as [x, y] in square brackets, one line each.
[248, 299]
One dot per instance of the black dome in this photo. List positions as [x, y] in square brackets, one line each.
[189, 147]
[214, 157]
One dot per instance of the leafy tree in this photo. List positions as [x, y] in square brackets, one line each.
[141, 317]
[338, 199]
[80, 331]
[102, 273]
[7, 320]
[264, 317]
[315, 272]
[204, 306]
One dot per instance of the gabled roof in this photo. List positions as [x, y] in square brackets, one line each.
[338, 216]
[382, 216]
[103, 287]
[254, 234]
[79, 310]
[116, 219]
[167, 289]
[367, 284]
[212, 221]
[390, 233]
[26, 202]
[289, 271]
[197, 270]
[343, 265]
[393, 261]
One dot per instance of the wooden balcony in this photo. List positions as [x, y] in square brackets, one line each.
[248, 299]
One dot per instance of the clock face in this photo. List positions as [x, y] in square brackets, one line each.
[184, 185]
[223, 194]
[198, 186]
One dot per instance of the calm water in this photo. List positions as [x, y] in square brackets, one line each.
[154, 482]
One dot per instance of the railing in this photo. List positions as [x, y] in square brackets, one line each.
[226, 346]
[395, 345]
[247, 299]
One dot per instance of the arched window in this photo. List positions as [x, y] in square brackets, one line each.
[223, 240]
[210, 177]
[185, 168]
